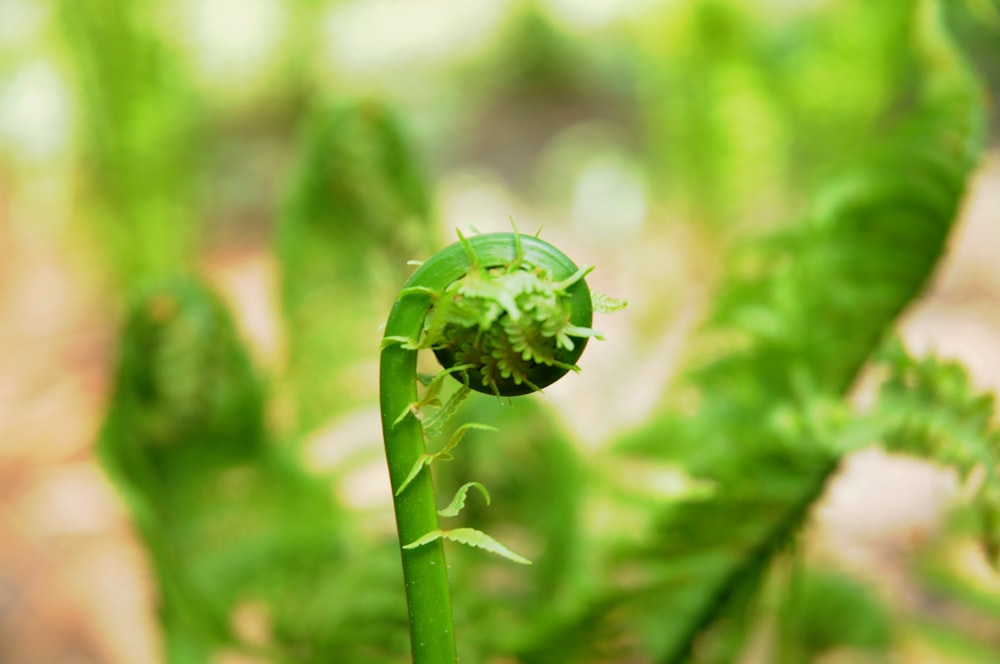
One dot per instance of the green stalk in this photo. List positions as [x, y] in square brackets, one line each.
[432, 631]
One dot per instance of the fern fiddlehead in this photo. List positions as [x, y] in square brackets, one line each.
[505, 314]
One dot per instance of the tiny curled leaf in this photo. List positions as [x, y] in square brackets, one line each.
[460, 432]
[520, 315]
[458, 502]
[606, 304]
[426, 379]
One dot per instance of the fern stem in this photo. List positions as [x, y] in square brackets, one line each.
[432, 632]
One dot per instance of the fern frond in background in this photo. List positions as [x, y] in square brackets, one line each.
[809, 630]
[928, 408]
[357, 210]
[233, 526]
[746, 107]
[794, 326]
[140, 129]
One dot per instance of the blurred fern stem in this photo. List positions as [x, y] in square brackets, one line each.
[506, 314]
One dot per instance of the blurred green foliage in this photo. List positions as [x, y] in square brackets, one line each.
[929, 408]
[357, 210]
[140, 129]
[824, 150]
[744, 109]
[826, 611]
[233, 524]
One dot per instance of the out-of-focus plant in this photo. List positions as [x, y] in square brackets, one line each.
[744, 107]
[357, 210]
[140, 131]
[185, 438]
[824, 612]
[237, 532]
[797, 319]
[928, 408]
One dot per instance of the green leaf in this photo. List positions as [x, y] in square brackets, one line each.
[434, 387]
[469, 537]
[355, 209]
[490, 290]
[458, 502]
[427, 538]
[797, 319]
[411, 409]
[444, 454]
[480, 540]
[460, 432]
[430, 397]
[424, 460]
[606, 304]
[929, 408]
[444, 413]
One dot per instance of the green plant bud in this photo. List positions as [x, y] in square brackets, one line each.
[513, 317]
[184, 385]
[517, 327]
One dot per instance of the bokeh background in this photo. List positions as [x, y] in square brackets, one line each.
[140, 140]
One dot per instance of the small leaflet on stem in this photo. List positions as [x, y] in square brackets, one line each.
[444, 454]
[434, 423]
[469, 537]
[424, 460]
[430, 398]
[458, 502]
